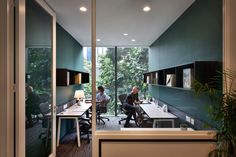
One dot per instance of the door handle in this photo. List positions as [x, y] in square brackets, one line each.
[54, 108]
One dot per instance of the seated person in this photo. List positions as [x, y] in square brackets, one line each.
[101, 97]
[32, 104]
[131, 99]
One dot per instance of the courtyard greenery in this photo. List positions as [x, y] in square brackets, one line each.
[131, 64]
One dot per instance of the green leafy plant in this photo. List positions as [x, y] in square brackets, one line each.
[223, 112]
[131, 64]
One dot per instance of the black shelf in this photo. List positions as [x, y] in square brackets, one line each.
[182, 76]
[66, 77]
[179, 88]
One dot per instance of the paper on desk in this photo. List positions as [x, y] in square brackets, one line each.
[77, 110]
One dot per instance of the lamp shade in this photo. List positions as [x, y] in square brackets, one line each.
[79, 94]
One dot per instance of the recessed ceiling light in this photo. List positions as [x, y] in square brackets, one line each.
[83, 9]
[133, 40]
[98, 39]
[125, 34]
[146, 9]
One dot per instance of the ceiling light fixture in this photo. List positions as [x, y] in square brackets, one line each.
[83, 9]
[98, 39]
[125, 34]
[146, 9]
[133, 40]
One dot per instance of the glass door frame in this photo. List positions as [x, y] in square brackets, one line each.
[7, 78]
[20, 49]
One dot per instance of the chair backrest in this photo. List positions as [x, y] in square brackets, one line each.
[44, 97]
[122, 98]
[44, 108]
[103, 108]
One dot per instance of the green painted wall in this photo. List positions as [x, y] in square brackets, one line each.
[195, 36]
[38, 26]
[70, 56]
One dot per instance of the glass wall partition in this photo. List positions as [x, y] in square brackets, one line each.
[39, 82]
[118, 70]
[105, 73]
[132, 63]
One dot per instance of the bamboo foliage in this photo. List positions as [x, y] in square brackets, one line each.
[223, 111]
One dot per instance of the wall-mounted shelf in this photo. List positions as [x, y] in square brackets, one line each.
[183, 76]
[179, 88]
[66, 77]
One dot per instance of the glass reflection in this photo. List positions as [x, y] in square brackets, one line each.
[38, 80]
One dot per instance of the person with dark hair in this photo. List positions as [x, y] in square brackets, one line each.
[101, 96]
[130, 101]
[32, 104]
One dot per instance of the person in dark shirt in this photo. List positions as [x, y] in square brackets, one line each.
[32, 104]
[131, 100]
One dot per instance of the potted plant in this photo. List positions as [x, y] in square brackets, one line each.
[223, 111]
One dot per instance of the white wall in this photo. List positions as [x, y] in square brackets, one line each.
[154, 149]
[153, 143]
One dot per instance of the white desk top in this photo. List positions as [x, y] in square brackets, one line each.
[75, 110]
[155, 129]
[155, 112]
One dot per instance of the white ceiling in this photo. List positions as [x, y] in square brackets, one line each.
[116, 17]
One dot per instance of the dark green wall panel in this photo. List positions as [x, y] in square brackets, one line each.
[70, 56]
[186, 101]
[195, 36]
[69, 51]
[38, 26]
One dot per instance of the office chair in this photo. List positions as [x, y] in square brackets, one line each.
[85, 128]
[44, 97]
[103, 109]
[36, 111]
[44, 109]
[122, 99]
[139, 118]
[142, 118]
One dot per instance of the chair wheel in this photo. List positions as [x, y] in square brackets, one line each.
[119, 122]
[108, 119]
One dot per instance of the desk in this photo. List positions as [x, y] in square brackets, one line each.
[154, 112]
[74, 112]
[155, 129]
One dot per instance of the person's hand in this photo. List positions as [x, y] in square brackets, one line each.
[138, 102]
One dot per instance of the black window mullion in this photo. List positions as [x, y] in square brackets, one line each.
[115, 80]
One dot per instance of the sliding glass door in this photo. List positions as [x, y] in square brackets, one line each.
[40, 81]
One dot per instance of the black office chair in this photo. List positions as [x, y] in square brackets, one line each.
[142, 118]
[103, 109]
[85, 128]
[44, 97]
[122, 99]
[44, 110]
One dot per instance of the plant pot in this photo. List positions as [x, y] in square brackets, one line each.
[183, 127]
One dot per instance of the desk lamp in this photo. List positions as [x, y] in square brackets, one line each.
[79, 95]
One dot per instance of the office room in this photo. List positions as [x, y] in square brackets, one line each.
[103, 77]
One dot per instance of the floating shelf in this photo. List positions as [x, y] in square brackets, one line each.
[182, 76]
[66, 77]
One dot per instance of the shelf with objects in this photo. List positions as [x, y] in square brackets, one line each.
[183, 76]
[66, 77]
